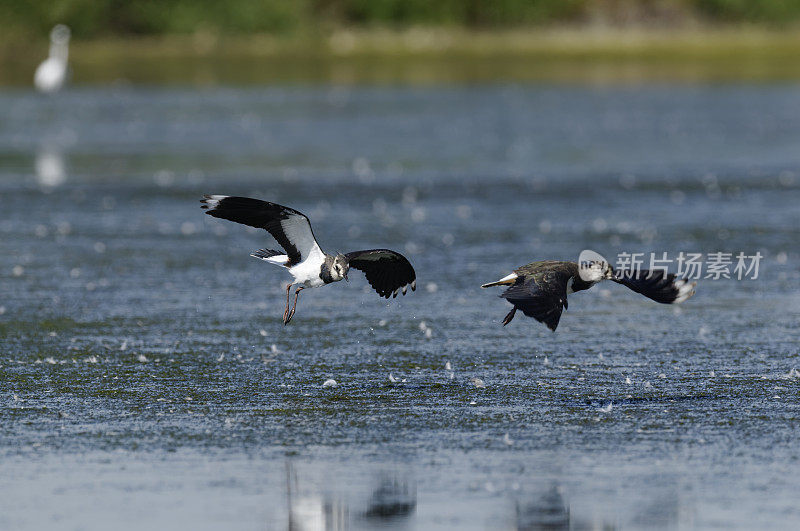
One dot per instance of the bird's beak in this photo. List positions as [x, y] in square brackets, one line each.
[345, 277]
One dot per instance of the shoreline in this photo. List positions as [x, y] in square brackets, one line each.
[414, 56]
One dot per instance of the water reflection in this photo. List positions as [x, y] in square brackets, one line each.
[310, 511]
[391, 501]
[333, 499]
[662, 510]
[50, 168]
[548, 512]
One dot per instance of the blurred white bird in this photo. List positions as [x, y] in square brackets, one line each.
[52, 73]
[50, 168]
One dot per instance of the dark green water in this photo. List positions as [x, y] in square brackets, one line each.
[147, 381]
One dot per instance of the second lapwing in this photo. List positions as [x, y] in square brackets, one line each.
[540, 289]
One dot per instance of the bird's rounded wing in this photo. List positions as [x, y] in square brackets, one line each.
[542, 295]
[656, 284]
[386, 271]
[290, 228]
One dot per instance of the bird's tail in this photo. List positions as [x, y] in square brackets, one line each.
[271, 256]
[505, 281]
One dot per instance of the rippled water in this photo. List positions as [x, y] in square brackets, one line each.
[147, 381]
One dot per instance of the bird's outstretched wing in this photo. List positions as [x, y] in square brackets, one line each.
[386, 271]
[666, 288]
[542, 296]
[290, 228]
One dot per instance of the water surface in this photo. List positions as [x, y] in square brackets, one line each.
[147, 379]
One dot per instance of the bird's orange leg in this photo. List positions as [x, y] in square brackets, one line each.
[510, 316]
[294, 307]
[286, 311]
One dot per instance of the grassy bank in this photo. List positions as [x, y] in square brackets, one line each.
[113, 18]
[427, 56]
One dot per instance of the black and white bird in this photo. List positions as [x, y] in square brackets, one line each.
[388, 272]
[540, 289]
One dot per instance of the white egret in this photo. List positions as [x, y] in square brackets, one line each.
[52, 73]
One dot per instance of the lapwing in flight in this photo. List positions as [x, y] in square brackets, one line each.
[388, 272]
[540, 289]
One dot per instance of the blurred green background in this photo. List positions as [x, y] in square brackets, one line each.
[397, 41]
[102, 18]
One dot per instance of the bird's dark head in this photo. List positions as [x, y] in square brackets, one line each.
[340, 267]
